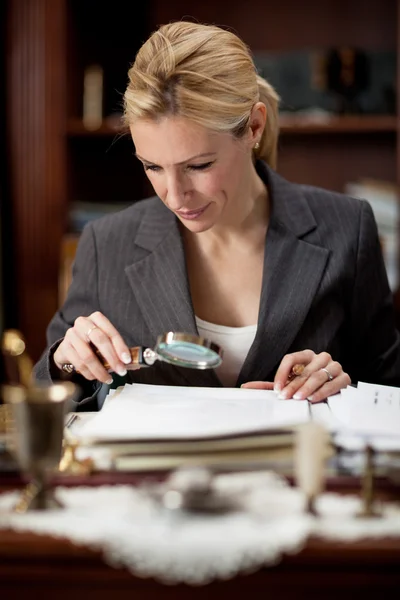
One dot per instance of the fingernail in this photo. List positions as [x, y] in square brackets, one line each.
[126, 358]
[310, 398]
[277, 387]
[283, 396]
[121, 371]
[109, 381]
[298, 396]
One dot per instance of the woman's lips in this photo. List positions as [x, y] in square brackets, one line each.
[192, 214]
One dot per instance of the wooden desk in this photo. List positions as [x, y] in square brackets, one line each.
[57, 569]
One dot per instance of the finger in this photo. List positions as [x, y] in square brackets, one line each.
[310, 379]
[100, 339]
[287, 363]
[66, 354]
[120, 347]
[84, 358]
[258, 385]
[330, 388]
[320, 381]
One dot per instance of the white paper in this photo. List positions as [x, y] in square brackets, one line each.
[367, 414]
[356, 416]
[143, 411]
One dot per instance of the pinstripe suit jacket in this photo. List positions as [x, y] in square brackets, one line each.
[324, 287]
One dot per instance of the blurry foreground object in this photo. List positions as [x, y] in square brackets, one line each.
[38, 414]
[17, 363]
[16, 370]
[32, 420]
[310, 457]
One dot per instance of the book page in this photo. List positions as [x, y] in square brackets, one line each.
[154, 412]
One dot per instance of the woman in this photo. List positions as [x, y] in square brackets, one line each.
[277, 273]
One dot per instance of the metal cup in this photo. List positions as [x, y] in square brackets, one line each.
[36, 437]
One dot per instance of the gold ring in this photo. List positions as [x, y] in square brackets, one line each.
[89, 331]
[330, 376]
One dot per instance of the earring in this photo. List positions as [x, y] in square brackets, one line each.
[257, 146]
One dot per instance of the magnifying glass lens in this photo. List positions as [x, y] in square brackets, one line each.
[188, 354]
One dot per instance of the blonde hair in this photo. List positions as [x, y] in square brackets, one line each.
[203, 73]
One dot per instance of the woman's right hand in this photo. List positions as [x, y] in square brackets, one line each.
[77, 348]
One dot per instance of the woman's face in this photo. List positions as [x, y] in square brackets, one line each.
[198, 174]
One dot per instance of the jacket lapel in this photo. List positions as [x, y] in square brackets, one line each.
[293, 268]
[160, 284]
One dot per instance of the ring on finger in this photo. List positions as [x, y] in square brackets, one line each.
[328, 373]
[89, 331]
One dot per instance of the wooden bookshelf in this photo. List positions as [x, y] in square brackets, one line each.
[54, 160]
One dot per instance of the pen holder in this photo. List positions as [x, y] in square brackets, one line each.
[36, 439]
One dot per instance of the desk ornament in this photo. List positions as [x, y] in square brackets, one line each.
[35, 421]
[17, 367]
[69, 462]
[179, 349]
[311, 451]
[38, 413]
[192, 489]
[367, 491]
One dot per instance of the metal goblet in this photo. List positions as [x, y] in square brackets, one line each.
[36, 438]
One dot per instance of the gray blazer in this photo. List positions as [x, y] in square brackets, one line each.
[324, 287]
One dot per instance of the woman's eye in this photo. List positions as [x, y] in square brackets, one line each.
[157, 169]
[201, 167]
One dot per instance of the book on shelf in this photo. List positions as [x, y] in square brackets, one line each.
[383, 196]
[305, 79]
[93, 97]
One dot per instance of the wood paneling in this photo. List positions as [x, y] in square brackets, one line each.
[36, 120]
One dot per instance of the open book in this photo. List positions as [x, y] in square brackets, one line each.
[154, 412]
[149, 426]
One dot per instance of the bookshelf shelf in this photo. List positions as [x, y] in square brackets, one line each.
[76, 128]
[340, 124]
[289, 125]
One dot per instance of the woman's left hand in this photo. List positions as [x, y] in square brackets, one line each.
[320, 378]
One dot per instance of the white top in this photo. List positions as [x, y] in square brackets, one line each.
[235, 342]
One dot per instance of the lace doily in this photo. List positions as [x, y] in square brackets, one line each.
[135, 531]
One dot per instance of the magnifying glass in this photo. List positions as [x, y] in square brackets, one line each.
[180, 349]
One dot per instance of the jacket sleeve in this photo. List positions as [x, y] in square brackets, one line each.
[82, 300]
[376, 341]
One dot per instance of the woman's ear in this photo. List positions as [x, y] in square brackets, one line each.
[258, 119]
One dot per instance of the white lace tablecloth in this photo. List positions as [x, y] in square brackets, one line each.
[133, 530]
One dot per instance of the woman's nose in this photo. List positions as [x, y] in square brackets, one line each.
[176, 193]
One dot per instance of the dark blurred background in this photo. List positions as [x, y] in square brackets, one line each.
[63, 71]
